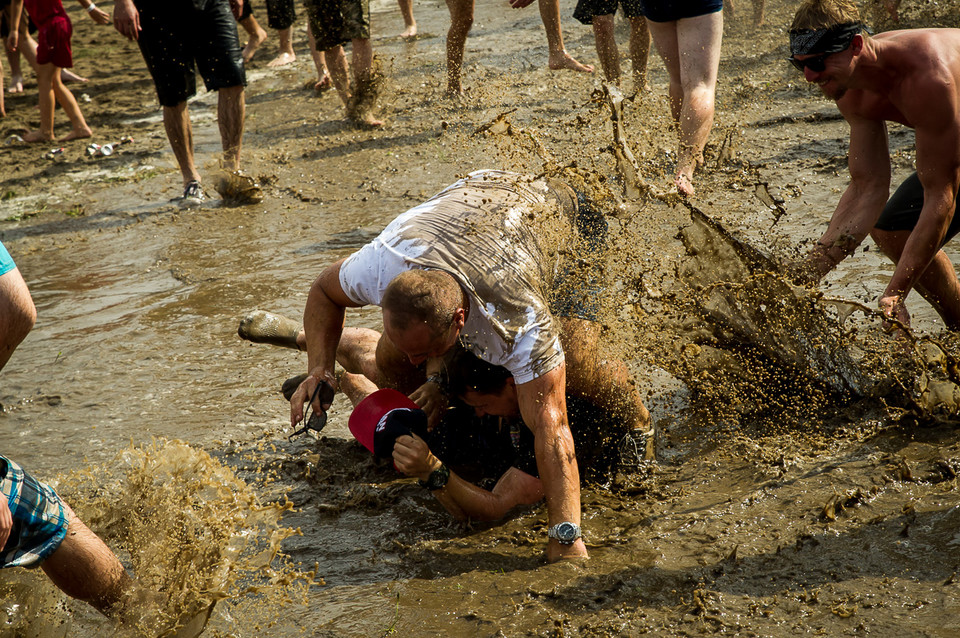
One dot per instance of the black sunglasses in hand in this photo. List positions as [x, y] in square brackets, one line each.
[315, 421]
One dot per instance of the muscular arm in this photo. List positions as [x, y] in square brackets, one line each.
[462, 499]
[544, 409]
[862, 202]
[322, 326]
[938, 167]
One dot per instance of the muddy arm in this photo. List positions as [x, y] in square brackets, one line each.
[544, 409]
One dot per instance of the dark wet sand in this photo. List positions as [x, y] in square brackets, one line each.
[821, 514]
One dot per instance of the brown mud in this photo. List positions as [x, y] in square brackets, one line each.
[806, 480]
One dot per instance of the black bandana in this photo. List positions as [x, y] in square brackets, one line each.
[815, 41]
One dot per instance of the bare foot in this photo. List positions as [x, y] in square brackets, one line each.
[324, 83]
[410, 31]
[564, 60]
[252, 45]
[684, 184]
[69, 76]
[16, 84]
[366, 120]
[77, 134]
[283, 59]
[37, 136]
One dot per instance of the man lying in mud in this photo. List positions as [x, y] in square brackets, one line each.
[911, 77]
[479, 461]
[490, 262]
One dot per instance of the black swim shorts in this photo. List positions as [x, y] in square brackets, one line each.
[903, 209]
[280, 14]
[588, 9]
[671, 10]
[577, 289]
[178, 36]
[336, 22]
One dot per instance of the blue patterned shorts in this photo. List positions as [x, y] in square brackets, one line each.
[39, 517]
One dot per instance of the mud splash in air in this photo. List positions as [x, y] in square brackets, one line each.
[195, 537]
[770, 340]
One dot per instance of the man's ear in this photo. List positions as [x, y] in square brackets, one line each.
[856, 46]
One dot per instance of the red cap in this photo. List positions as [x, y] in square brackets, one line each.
[369, 412]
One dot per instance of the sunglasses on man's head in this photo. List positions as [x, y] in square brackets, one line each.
[816, 64]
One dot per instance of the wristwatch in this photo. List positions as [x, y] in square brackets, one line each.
[437, 479]
[565, 533]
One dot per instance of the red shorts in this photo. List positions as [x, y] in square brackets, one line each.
[53, 42]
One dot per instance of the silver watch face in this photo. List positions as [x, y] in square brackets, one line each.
[567, 532]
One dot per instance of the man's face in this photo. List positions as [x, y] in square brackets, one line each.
[503, 403]
[830, 71]
[418, 342]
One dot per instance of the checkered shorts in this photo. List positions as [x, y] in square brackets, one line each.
[39, 518]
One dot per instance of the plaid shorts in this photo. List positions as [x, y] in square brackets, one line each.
[39, 518]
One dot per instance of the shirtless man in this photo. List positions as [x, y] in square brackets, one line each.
[461, 19]
[473, 266]
[911, 77]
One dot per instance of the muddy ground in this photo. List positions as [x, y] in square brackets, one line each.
[776, 507]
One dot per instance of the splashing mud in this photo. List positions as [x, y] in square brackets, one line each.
[192, 534]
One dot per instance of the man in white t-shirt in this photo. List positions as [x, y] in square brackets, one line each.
[485, 263]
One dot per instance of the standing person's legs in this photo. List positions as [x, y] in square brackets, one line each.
[176, 122]
[639, 51]
[603, 33]
[231, 110]
[45, 73]
[280, 16]
[558, 57]
[339, 72]
[409, 22]
[255, 33]
[699, 44]
[319, 61]
[365, 92]
[17, 312]
[71, 109]
[461, 19]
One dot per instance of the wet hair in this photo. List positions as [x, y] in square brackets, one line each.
[431, 297]
[824, 14]
[466, 372]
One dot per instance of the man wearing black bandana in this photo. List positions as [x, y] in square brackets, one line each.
[911, 77]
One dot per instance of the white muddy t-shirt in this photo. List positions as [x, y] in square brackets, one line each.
[499, 234]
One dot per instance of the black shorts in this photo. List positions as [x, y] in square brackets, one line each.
[336, 22]
[280, 14]
[577, 289]
[588, 9]
[178, 36]
[903, 210]
[672, 10]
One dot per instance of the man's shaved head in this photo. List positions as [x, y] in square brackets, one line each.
[430, 297]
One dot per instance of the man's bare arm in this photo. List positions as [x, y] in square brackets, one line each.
[544, 409]
[862, 202]
[322, 327]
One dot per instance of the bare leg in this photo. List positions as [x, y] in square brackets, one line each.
[45, 82]
[639, 52]
[364, 93]
[17, 313]
[319, 61]
[592, 375]
[176, 121]
[339, 72]
[70, 107]
[255, 37]
[3, 108]
[758, 7]
[13, 57]
[286, 55]
[357, 387]
[409, 22]
[461, 19]
[607, 47]
[938, 284]
[231, 108]
[558, 58]
[357, 353]
[690, 49]
[83, 567]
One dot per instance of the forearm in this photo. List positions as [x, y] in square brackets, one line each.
[322, 326]
[856, 215]
[557, 463]
[922, 245]
[464, 500]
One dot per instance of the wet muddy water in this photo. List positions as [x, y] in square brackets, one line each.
[776, 508]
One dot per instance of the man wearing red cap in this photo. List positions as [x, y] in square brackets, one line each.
[482, 264]
[911, 77]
